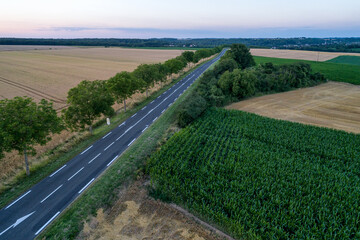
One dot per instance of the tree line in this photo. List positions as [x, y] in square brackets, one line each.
[25, 123]
[236, 77]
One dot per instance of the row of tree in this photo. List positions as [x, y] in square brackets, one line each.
[25, 123]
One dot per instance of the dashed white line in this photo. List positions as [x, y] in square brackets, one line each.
[86, 185]
[18, 199]
[155, 119]
[133, 115]
[94, 158]
[51, 193]
[144, 108]
[163, 111]
[47, 223]
[131, 142]
[122, 124]
[144, 129]
[57, 171]
[112, 161]
[109, 146]
[75, 173]
[152, 102]
[86, 150]
[106, 135]
[151, 110]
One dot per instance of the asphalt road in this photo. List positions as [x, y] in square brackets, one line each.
[29, 215]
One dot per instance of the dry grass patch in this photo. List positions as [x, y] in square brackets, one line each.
[298, 54]
[333, 105]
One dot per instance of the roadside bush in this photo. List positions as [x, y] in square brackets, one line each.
[191, 109]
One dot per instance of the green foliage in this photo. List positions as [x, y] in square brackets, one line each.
[353, 60]
[24, 123]
[241, 54]
[191, 109]
[148, 73]
[174, 65]
[263, 178]
[188, 55]
[87, 102]
[332, 71]
[238, 83]
[123, 85]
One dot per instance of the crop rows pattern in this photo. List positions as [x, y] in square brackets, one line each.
[263, 178]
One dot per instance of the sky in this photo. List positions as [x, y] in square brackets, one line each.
[179, 19]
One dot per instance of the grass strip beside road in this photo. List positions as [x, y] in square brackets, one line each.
[105, 189]
[58, 157]
[333, 71]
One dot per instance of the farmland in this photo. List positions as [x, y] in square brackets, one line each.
[353, 60]
[49, 74]
[298, 54]
[333, 105]
[263, 178]
[332, 71]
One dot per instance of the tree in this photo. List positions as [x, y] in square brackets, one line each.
[241, 54]
[163, 72]
[87, 101]
[149, 73]
[23, 124]
[174, 66]
[188, 55]
[123, 85]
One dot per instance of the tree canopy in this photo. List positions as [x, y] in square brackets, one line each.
[24, 123]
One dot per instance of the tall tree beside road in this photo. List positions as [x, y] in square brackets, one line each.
[241, 54]
[149, 73]
[123, 85]
[24, 123]
[87, 101]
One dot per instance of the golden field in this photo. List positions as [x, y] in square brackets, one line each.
[50, 73]
[333, 105]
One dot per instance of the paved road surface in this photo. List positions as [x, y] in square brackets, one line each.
[28, 215]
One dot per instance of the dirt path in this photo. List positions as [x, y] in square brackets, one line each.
[297, 54]
[137, 216]
[333, 105]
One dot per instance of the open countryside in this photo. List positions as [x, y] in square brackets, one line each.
[51, 73]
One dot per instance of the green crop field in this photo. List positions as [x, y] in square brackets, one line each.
[353, 60]
[263, 178]
[332, 71]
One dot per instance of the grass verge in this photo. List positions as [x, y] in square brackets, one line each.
[103, 191]
[333, 71]
[60, 156]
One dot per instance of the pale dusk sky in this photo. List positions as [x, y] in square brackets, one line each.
[179, 19]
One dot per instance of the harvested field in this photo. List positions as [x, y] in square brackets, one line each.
[332, 105]
[137, 216]
[50, 74]
[297, 54]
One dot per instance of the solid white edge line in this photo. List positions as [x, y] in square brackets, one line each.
[47, 223]
[131, 142]
[51, 193]
[94, 158]
[109, 146]
[86, 150]
[163, 111]
[86, 185]
[106, 135]
[155, 119]
[144, 129]
[57, 171]
[18, 199]
[112, 161]
[75, 174]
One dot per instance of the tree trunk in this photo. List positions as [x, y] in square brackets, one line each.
[124, 105]
[26, 162]
[91, 130]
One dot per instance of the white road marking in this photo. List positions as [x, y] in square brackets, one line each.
[131, 142]
[106, 135]
[122, 124]
[75, 173]
[152, 110]
[163, 111]
[109, 146]
[143, 108]
[144, 129]
[86, 185]
[20, 220]
[94, 158]
[133, 115]
[18, 199]
[86, 150]
[112, 161]
[51, 193]
[47, 223]
[152, 102]
[57, 171]
[155, 119]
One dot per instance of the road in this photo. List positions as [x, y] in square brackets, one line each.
[29, 214]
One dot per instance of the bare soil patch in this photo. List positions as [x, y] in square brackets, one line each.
[297, 54]
[333, 105]
[137, 216]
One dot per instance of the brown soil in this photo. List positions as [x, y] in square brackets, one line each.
[137, 216]
[296, 54]
[333, 105]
